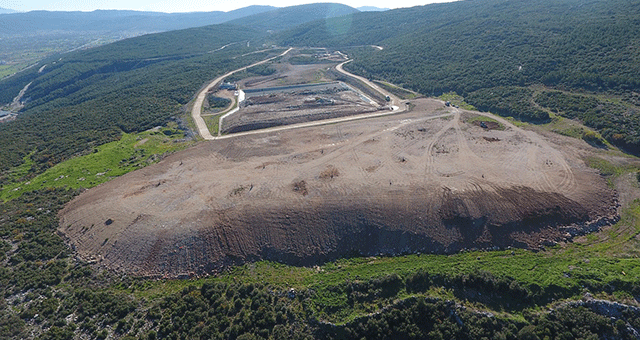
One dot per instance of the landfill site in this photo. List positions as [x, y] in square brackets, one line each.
[436, 179]
[284, 105]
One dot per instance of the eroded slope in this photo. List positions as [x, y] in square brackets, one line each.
[431, 181]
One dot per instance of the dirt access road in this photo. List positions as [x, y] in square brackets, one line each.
[395, 101]
[196, 111]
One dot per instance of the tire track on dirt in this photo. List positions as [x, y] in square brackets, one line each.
[542, 182]
[366, 176]
[429, 168]
[569, 183]
[464, 150]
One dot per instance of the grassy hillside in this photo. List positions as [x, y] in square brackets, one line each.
[130, 152]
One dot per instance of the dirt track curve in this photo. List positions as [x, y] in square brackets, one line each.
[196, 110]
[429, 180]
[203, 130]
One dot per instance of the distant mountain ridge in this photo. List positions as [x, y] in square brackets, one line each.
[140, 22]
[35, 22]
[371, 9]
[287, 17]
[6, 11]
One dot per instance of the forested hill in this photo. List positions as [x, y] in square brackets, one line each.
[82, 99]
[38, 22]
[465, 46]
[292, 16]
[138, 22]
[87, 98]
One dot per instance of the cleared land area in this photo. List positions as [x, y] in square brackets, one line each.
[285, 105]
[433, 180]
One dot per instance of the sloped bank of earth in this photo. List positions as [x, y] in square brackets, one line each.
[424, 181]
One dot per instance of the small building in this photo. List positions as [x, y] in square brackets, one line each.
[228, 86]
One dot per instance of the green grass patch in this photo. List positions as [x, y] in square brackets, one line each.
[131, 152]
[516, 122]
[557, 277]
[7, 70]
[573, 131]
[458, 100]
[396, 90]
[607, 168]
[213, 123]
[479, 119]
[570, 128]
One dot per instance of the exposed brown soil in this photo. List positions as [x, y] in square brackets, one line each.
[298, 105]
[287, 74]
[413, 182]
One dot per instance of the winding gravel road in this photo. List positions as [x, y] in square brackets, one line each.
[396, 106]
[196, 111]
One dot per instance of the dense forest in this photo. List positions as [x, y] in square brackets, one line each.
[486, 49]
[467, 45]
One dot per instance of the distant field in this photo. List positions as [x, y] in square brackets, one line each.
[7, 70]
[19, 52]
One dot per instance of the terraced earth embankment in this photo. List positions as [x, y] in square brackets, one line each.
[430, 180]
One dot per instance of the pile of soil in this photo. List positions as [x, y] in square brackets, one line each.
[417, 182]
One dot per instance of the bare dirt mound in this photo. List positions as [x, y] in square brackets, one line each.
[421, 181]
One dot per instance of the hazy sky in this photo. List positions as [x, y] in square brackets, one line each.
[185, 5]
